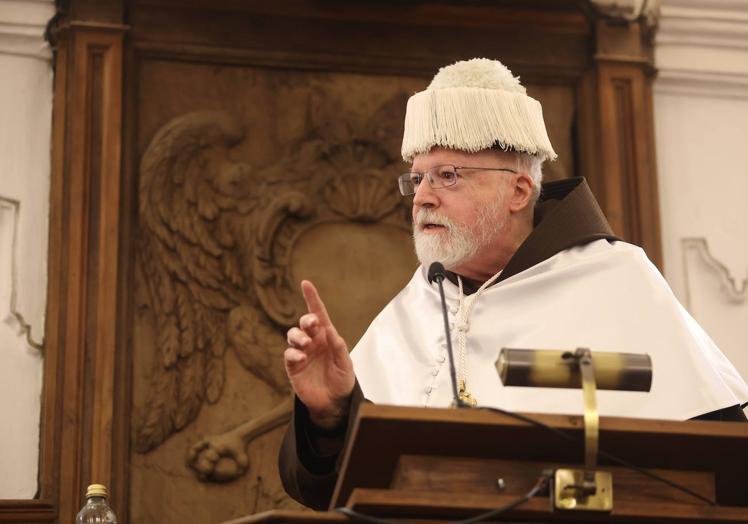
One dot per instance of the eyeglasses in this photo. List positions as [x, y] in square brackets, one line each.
[438, 177]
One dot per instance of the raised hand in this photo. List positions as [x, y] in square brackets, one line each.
[318, 364]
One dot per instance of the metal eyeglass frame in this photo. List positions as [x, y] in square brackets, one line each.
[406, 179]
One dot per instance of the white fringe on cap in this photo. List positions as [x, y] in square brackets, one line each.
[475, 105]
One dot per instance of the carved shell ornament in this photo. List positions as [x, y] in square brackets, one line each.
[363, 190]
[362, 198]
[357, 186]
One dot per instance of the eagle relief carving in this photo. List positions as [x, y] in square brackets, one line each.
[222, 244]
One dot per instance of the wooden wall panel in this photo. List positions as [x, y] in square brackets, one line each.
[291, 81]
[550, 40]
[629, 192]
[27, 511]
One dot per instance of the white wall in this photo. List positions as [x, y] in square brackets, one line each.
[701, 122]
[25, 126]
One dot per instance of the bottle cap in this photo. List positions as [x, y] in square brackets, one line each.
[97, 490]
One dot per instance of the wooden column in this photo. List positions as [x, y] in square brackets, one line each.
[626, 157]
[79, 385]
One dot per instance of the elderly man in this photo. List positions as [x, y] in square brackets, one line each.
[528, 267]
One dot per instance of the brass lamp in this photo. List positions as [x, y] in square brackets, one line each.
[579, 489]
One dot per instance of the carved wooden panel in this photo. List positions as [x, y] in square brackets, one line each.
[282, 176]
[249, 180]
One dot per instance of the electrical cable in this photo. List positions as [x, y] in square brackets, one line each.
[601, 453]
[540, 484]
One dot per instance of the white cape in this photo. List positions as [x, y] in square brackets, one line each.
[603, 296]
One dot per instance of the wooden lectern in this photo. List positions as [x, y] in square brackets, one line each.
[449, 464]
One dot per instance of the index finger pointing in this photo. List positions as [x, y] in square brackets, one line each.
[314, 303]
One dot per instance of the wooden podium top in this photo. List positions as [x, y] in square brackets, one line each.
[438, 464]
[382, 434]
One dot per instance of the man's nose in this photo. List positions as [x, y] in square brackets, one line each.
[425, 195]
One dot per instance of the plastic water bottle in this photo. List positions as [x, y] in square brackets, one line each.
[96, 510]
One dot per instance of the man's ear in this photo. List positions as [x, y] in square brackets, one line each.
[522, 191]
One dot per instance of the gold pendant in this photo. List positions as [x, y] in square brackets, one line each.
[464, 395]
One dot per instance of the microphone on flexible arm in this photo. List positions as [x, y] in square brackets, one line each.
[438, 273]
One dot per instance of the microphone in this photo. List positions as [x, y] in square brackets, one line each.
[438, 273]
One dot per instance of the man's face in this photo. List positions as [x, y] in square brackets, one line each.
[456, 224]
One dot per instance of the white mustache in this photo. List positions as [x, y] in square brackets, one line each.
[426, 216]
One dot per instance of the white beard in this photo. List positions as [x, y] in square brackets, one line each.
[457, 243]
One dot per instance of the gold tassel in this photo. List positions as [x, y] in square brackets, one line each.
[464, 395]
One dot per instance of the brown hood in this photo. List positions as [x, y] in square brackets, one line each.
[566, 215]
